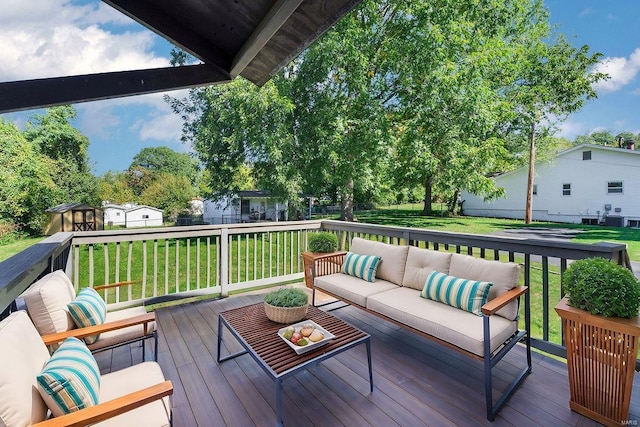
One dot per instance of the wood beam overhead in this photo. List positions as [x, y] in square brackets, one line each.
[25, 94]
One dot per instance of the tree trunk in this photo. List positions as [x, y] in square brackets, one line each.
[428, 195]
[532, 159]
[453, 202]
[347, 202]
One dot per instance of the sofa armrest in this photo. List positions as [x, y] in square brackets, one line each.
[114, 285]
[496, 304]
[318, 264]
[111, 408]
[143, 319]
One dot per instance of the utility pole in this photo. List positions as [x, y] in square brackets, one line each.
[532, 159]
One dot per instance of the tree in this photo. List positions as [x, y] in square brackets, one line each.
[53, 135]
[169, 192]
[28, 186]
[165, 160]
[114, 188]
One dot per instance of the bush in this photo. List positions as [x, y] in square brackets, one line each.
[323, 241]
[601, 287]
[287, 297]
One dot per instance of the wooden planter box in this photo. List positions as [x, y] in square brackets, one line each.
[321, 264]
[601, 360]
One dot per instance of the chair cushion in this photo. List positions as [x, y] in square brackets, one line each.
[47, 300]
[450, 324]
[70, 380]
[420, 263]
[392, 257]
[351, 288]
[129, 380]
[125, 334]
[88, 309]
[465, 294]
[503, 275]
[22, 357]
[362, 266]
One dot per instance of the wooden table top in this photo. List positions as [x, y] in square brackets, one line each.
[261, 334]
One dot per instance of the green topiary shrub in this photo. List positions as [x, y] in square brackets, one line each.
[601, 287]
[323, 241]
[287, 297]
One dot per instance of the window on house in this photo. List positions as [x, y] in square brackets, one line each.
[117, 213]
[145, 216]
[535, 189]
[586, 155]
[614, 187]
[633, 223]
[245, 206]
[566, 189]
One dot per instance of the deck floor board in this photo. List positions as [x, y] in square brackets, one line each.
[416, 382]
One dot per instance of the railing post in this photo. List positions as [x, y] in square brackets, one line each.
[224, 262]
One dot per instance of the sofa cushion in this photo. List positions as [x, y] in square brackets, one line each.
[420, 263]
[47, 300]
[22, 357]
[393, 258]
[503, 275]
[70, 381]
[351, 288]
[362, 266]
[88, 309]
[458, 327]
[465, 294]
[125, 334]
[129, 380]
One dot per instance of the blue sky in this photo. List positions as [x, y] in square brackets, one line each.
[46, 38]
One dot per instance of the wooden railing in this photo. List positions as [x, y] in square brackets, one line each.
[178, 262]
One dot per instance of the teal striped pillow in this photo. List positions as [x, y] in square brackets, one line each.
[468, 295]
[88, 309]
[70, 380]
[362, 266]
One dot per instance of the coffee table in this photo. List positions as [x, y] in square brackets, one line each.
[259, 337]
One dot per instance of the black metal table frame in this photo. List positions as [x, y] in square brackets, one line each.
[278, 378]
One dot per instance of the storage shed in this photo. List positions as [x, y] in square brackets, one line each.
[73, 217]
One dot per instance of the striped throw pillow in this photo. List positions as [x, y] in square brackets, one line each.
[362, 266]
[70, 380]
[88, 309]
[468, 295]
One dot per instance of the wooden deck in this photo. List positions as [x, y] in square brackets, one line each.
[416, 382]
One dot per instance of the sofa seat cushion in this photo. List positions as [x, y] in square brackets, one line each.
[129, 380]
[120, 335]
[351, 288]
[22, 357]
[47, 300]
[455, 326]
[503, 275]
[420, 263]
[393, 258]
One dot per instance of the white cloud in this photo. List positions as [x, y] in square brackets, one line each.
[55, 37]
[569, 129]
[622, 71]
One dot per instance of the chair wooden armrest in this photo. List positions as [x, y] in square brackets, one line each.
[143, 319]
[321, 264]
[114, 285]
[111, 408]
[497, 303]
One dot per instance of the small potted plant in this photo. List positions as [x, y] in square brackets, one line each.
[323, 242]
[600, 320]
[286, 305]
[320, 244]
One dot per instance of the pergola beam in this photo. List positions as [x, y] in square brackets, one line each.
[277, 16]
[28, 94]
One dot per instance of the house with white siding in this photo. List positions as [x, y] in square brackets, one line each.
[130, 215]
[245, 206]
[588, 184]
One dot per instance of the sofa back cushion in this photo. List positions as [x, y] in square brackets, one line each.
[47, 300]
[503, 275]
[420, 263]
[393, 258]
[22, 357]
